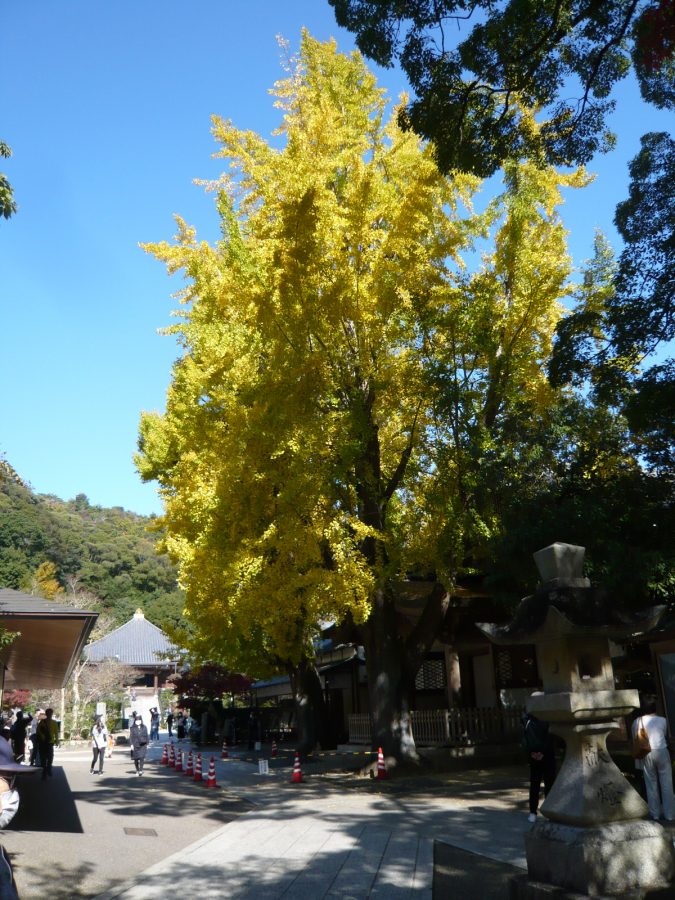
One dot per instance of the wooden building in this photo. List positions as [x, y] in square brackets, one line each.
[466, 690]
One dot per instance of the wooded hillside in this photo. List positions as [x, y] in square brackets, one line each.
[107, 552]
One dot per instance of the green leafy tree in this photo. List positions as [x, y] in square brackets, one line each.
[625, 310]
[108, 552]
[7, 203]
[560, 56]
[586, 485]
[642, 311]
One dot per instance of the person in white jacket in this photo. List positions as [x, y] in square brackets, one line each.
[656, 765]
[99, 743]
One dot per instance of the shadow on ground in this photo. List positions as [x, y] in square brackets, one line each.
[374, 840]
[46, 806]
[52, 806]
[57, 882]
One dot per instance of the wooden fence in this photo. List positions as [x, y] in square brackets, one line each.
[450, 727]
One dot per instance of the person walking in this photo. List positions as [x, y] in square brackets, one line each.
[18, 734]
[138, 735]
[48, 737]
[538, 743]
[34, 750]
[656, 765]
[154, 724]
[99, 743]
[169, 722]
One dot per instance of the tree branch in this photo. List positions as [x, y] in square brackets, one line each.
[427, 627]
[601, 55]
[399, 472]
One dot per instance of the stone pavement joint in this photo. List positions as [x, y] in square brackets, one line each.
[321, 840]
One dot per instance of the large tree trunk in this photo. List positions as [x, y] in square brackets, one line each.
[392, 662]
[392, 659]
[389, 682]
[310, 708]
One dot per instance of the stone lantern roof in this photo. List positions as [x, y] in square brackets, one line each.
[566, 603]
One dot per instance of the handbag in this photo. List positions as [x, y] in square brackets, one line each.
[641, 745]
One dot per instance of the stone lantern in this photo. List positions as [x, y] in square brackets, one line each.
[593, 840]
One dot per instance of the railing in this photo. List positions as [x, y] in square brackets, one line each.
[458, 727]
[359, 728]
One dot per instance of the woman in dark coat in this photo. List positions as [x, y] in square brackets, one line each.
[138, 735]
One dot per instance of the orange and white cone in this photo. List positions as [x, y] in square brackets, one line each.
[224, 754]
[381, 768]
[165, 756]
[172, 756]
[179, 761]
[296, 777]
[198, 767]
[274, 749]
[189, 771]
[211, 778]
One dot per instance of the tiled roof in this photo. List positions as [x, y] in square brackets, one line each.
[13, 603]
[136, 643]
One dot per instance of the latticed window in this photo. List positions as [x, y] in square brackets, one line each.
[431, 675]
[516, 667]
[504, 667]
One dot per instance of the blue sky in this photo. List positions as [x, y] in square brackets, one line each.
[107, 109]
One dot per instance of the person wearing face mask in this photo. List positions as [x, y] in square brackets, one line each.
[138, 735]
[99, 742]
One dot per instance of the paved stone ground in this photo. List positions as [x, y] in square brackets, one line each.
[335, 839]
[68, 840]
[260, 836]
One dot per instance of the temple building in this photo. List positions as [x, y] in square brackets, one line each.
[148, 651]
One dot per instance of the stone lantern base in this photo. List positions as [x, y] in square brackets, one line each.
[623, 859]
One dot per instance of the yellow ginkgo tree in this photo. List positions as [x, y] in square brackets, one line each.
[306, 458]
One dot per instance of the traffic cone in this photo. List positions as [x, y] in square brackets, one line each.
[172, 756]
[198, 767]
[211, 779]
[224, 754]
[381, 768]
[179, 761]
[296, 777]
[274, 749]
[189, 771]
[165, 755]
